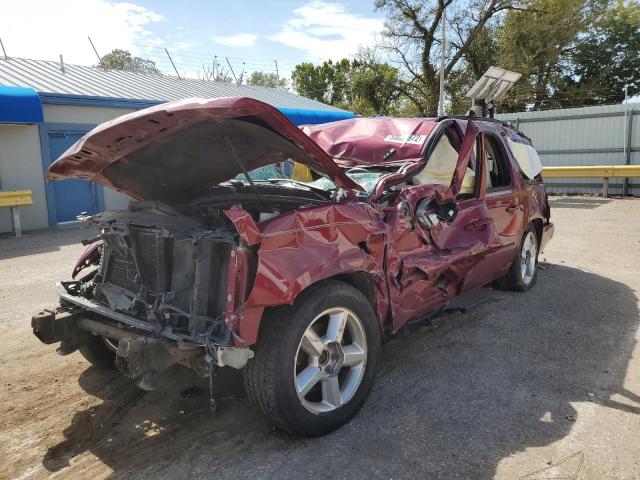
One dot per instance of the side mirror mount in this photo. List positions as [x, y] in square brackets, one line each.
[430, 213]
[449, 211]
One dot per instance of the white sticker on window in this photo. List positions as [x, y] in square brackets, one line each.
[404, 139]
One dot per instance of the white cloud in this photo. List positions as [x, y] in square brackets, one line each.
[236, 41]
[326, 30]
[45, 29]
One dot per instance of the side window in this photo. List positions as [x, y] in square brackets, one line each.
[498, 171]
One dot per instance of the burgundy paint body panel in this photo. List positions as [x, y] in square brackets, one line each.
[90, 255]
[367, 140]
[414, 270]
[410, 269]
[306, 246]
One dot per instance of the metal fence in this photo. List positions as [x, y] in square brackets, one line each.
[605, 135]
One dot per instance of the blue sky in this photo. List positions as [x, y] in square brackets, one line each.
[253, 32]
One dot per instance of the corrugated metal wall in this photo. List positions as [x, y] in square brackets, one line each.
[584, 136]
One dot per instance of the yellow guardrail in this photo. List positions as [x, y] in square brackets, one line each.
[605, 172]
[14, 199]
[592, 171]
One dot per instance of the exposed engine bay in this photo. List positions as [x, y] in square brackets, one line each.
[154, 282]
[167, 265]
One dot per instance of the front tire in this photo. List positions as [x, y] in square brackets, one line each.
[99, 353]
[315, 362]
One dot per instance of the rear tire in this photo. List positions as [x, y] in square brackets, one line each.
[315, 362]
[98, 353]
[523, 272]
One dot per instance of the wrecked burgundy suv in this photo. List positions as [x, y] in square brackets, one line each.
[222, 261]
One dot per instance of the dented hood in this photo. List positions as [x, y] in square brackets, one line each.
[373, 140]
[174, 151]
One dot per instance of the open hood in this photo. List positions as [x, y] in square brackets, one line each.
[172, 152]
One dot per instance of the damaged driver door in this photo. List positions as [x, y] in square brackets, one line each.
[439, 233]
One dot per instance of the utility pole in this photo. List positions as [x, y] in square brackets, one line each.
[231, 68]
[277, 72]
[3, 50]
[627, 137]
[173, 64]
[443, 47]
[61, 64]
[94, 49]
[626, 108]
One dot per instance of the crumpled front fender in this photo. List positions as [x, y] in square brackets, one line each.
[301, 248]
[90, 256]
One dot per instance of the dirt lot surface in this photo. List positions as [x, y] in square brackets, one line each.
[538, 385]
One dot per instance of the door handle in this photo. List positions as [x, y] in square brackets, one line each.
[513, 208]
[479, 224]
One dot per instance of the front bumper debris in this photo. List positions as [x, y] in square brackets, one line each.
[62, 326]
[141, 353]
[83, 303]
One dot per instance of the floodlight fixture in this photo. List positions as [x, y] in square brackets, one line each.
[490, 88]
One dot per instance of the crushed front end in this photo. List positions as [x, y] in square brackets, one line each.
[153, 286]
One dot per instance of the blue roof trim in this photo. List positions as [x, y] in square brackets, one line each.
[90, 101]
[20, 105]
[296, 115]
[305, 117]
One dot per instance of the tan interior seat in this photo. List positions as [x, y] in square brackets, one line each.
[440, 168]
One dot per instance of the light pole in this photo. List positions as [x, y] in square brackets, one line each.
[626, 140]
[443, 47]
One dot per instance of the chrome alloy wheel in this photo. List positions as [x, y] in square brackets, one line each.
[330, 360]
[528, 255]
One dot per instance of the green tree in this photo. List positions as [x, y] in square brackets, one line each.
[571, 53]
[481, 55]
[412, 35]
[311, 81]
[375, 89]
[270, 80]
[537, 43]
[606, 60]
[123, 60]
[362, 85]
[328, 82]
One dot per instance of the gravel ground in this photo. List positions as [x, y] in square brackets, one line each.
[538, 385]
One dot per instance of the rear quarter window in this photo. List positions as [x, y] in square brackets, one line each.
[525, 155]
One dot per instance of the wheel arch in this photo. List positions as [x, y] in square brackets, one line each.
[538, 226]
[361, 280]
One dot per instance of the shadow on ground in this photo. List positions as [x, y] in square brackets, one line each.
[578, 202]
[447, 404]
[42, 241]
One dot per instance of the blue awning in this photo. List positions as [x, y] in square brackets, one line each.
[304, 117]
[20, 105]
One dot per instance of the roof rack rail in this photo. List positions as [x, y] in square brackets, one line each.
[504, 123]
[474, 117]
